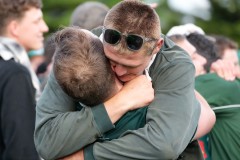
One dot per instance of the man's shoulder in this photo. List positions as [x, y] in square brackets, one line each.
[171, 52]
[11, 68]
[171, 55]
[171, 62]
[14, 75]
[213, 78]
[211, 83]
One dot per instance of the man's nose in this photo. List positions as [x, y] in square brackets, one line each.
[119, 70]
[44, 27]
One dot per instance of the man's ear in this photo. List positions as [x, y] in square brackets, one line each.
[158, 45]
[13, 28]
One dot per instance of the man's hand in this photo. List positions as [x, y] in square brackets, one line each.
[75, 156]
[138, 92]
[134, 94]
[226, 69]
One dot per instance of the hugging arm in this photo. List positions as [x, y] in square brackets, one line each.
[60, 130]
[171, 121]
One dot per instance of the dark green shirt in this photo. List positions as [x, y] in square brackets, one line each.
[217, 91]
[131, 120]
[224, 98]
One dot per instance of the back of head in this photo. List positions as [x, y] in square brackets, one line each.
[222, 43]
[135, 17]
[205, 47]
[89, 15]
[14, 10]
[81, 68]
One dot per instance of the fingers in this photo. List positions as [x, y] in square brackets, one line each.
[237, 70]
[225, 69]
[139, 90]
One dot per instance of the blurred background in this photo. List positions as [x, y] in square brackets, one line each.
[213, 16]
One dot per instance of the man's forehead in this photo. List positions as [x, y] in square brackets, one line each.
[37, 12]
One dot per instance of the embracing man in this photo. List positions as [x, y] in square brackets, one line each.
[133, 43]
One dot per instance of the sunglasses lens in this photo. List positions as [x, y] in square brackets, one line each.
[134, 42]
[112, 36]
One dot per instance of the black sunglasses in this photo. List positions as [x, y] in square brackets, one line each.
[134, 42]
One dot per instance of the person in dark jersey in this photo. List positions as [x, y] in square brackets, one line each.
[21, 29]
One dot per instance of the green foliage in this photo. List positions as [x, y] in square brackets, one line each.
[225, 19]
[61, 4]
[225, 16]
[58, 13]
[168, 17]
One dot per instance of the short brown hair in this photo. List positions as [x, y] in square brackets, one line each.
[15, 9]
[133, 16]
[81, 68]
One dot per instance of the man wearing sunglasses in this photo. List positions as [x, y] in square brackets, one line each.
[134, 45]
